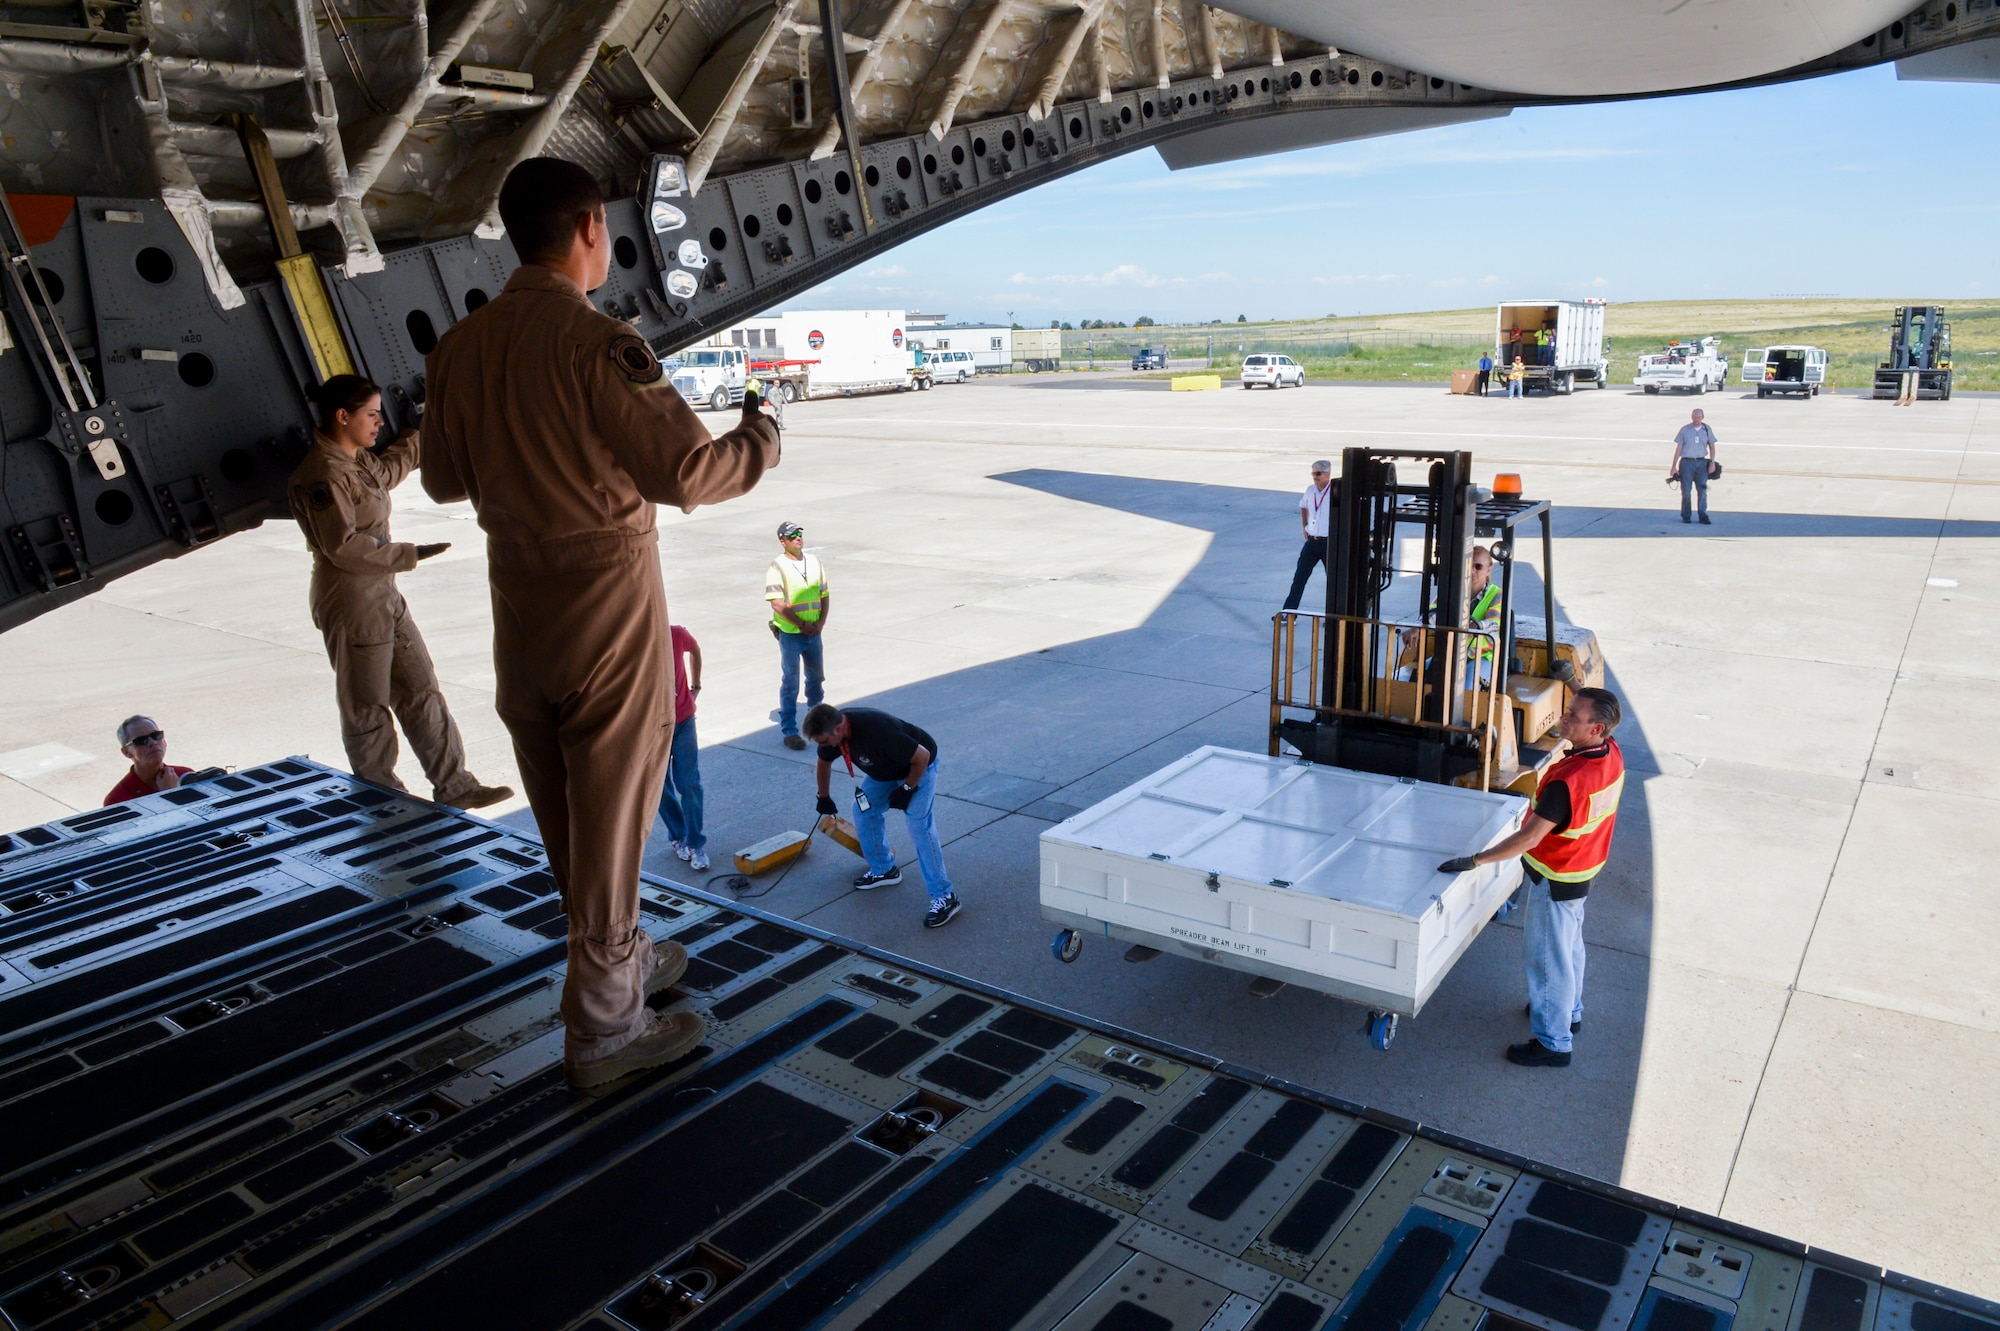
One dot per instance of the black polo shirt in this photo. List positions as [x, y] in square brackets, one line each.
[880, 745]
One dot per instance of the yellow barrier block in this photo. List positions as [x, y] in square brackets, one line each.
[841, 831]
[770, 853]
[1197, 383]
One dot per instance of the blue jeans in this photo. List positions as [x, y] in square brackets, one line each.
[1694, 472]
[793, 648]
[680, 797]
[871, 824]
[1554, 937]
[1513, 388]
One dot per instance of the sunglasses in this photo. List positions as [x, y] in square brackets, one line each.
[153, 737]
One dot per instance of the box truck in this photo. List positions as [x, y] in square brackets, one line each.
[1560, 342]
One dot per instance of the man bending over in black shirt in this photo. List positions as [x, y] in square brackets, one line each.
[898, 767]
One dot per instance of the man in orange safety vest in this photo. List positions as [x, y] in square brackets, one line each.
[1563, 845]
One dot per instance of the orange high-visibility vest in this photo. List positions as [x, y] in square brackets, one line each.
[1595, 782]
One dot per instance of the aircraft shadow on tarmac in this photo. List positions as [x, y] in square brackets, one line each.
[1032, 738]
[1611, 523]
[1029, 739]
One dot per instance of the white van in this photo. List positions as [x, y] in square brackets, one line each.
[1789, 369]
[951, 367]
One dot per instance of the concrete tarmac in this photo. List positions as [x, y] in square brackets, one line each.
[1793, 1013]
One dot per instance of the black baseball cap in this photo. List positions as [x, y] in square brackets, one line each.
[787, 530]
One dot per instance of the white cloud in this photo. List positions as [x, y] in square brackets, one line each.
[1124, 275]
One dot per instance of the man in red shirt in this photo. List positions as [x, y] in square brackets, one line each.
[680, 797]
[1563, 845]
[146, 745]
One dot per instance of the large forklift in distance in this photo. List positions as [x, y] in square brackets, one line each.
[1405, 699]
[1920, 344]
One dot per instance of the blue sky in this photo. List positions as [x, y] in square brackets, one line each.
[1856, 185]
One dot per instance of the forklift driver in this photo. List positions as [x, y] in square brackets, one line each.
[1484, 615]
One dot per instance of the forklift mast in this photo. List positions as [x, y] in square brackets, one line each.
[1921, 339]
[1919, 345]
[1445, 513]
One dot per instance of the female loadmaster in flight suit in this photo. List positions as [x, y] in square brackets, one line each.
[382, 670]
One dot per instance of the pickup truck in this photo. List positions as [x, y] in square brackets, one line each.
[1697, 366]
[1150, 358]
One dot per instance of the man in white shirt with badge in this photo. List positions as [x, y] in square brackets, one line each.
[795, 585]
[1315, 517]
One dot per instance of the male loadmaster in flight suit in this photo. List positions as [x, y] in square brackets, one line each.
[382, 670]
[559, 425]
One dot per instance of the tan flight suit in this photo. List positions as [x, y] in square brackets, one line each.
[382, 670]
[558, 424]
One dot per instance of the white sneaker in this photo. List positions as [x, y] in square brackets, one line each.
[697, 860]
[681, 850]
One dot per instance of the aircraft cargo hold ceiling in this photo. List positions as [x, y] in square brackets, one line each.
[224, 202]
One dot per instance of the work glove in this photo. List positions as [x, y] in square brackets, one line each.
[899, 798]
[757, 403]
[434, 548]
[826, 808]
[1463, 864]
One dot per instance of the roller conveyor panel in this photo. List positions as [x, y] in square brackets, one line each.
[282, 1050]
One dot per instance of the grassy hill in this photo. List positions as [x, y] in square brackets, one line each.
[1430, 344]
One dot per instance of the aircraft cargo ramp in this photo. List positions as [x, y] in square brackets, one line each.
[281, 1049]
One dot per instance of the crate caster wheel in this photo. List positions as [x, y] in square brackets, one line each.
[1068, 946]
[1381, 1029]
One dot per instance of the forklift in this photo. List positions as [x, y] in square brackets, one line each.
[1406, 700]
[1919, 344]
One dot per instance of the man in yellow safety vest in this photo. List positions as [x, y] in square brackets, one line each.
[1484, 615]
[796, 586]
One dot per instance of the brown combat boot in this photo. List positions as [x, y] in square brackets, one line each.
[670, 962]
[480, 796]
[667, 1037]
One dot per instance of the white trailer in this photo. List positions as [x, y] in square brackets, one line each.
[991, 346]
[1037, 349]
[1698, 367]
[800, 354]
[1560, 343]
[1295, 872]
[842, 352]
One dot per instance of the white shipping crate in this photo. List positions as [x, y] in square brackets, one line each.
[852, 348]
[1317, 876]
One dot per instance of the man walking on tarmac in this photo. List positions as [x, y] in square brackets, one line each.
[1315, 517]
[899, 768]
[1694, 451]
[795, 584]
[557, 422]
[1562, 846]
